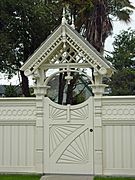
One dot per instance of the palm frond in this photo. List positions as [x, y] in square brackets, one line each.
[124, 15]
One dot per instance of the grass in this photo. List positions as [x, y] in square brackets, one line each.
[114, 178]
[37, 177]
[19, 177]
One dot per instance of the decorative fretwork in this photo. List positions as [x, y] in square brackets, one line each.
[45, 54]
[68, 55]
[88, 57]
[73, 53]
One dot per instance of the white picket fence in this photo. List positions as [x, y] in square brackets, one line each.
[22, 135]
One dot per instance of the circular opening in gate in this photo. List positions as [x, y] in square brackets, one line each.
[73, 88]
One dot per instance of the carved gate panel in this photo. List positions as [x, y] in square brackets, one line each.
[68, 138]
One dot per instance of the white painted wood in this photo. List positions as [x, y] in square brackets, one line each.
[120, 172]
[7, 145]
[17, 147]
[1, 145]
[133, 147]
[30, 144]
[62, 37]
[68, 147]
[118, 117]
[119, 149]
[68, 141]
[72, 148]
[108, 147]
[17, 135]
[14, 151]
[126, 147]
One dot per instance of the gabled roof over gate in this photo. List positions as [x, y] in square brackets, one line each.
[63, 37]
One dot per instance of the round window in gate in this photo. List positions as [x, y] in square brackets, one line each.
[69, 88]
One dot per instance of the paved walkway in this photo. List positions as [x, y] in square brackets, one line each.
[66, 177]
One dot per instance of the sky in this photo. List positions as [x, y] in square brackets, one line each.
[117, 27]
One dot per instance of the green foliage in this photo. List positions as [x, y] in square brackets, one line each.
[20, 177]
[32, 92]
[121, 9]
[123, 59]
[113, 178]
[123, 55]
[93, 20]
[12, 91]
[24, 26]
[123, 82]
[79, 98]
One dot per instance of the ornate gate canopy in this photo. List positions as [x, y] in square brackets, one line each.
[65, 49]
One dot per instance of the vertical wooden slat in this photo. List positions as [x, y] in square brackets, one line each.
[109, 146]
[126, 147]
[30, 145]
[1, 145]
[22, 145]
[14, 150]
[117, 147]
[133, 146]
[7, 145]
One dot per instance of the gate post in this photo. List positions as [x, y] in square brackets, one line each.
[98, 90]
[98, 149]
[39, 148]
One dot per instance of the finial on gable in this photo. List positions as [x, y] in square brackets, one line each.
[63, 27]
[73, 22]
[64, 16]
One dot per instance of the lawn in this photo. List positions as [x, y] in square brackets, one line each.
[114, 178]
[20, 177]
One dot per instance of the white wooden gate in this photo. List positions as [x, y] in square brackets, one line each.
[68, 138]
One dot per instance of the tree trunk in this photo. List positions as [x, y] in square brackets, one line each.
[69, 99]
[25, 84]
[71, 87]
[62, 83]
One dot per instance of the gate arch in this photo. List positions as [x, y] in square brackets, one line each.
[80, 89]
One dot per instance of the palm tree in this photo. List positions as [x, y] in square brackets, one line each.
[94, 17]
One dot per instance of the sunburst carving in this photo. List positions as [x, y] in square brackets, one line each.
[57, 114]
[80, 113]
[58, 133]
[77, 151]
